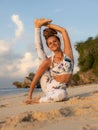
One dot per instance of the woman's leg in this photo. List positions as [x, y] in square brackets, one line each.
[39, 46]
[42, 56]
[55, 96]
[55, 92]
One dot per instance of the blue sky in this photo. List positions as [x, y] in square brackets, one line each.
[17, 51]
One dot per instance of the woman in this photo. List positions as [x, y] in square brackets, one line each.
[56, 71]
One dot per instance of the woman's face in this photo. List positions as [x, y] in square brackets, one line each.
[53, 43]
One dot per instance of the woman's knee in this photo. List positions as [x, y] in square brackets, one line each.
[60, 95]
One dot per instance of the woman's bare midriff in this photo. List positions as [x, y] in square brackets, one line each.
[64, 78]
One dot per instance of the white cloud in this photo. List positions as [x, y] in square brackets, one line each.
[20, 27]
[4, 47]
[14, 65]
[19, 67]
[25, 65]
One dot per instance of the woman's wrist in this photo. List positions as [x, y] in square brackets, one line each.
[29, 97]
[37, 29]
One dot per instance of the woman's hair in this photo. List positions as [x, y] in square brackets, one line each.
[49, 32]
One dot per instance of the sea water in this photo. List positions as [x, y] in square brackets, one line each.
[13, 90]
[9, 91]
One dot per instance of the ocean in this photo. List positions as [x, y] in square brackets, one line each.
[9, 91]
[13, 90]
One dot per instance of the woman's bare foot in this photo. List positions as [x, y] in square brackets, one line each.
[40, 22]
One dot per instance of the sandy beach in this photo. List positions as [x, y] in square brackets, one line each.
[78, 112]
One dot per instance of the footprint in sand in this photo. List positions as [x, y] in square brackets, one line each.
[3, 105]
[89, 127]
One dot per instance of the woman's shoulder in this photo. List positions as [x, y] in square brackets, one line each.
[47, 61]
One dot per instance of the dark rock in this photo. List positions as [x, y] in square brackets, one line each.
[27, 82]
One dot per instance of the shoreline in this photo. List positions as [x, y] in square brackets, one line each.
[11, 91]
[81, 107]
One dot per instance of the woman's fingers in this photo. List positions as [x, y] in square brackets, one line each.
[28, 102]
[42, 21]
[35, 100]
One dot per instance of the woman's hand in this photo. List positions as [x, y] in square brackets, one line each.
[32, 101]
[41, 22]
[28, 101]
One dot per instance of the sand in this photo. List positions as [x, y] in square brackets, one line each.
[78, 112]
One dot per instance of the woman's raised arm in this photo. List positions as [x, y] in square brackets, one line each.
[66, 39]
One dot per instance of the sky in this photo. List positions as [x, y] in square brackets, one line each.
[18, 56]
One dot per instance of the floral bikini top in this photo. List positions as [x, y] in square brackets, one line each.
[64, 67]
